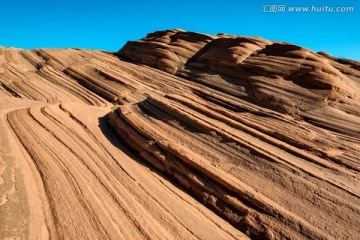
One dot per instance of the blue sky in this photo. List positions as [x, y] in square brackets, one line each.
[108, 24]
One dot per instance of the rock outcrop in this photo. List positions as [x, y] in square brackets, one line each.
[277, 75]
[179, 135]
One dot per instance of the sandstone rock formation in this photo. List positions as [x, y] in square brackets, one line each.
[179, 135]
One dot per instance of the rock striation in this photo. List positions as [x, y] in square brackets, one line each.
[179, 135]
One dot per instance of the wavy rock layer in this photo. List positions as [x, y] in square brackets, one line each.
[212, 137]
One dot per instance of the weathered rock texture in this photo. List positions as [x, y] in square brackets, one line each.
[211, 137]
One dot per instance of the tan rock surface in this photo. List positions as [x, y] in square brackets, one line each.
[185, 136]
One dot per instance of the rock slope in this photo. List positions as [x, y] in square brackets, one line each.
[179, 135]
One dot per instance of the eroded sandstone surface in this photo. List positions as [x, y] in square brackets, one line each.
[179, 135]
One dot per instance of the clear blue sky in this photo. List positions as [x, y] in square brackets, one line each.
[108, 24]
